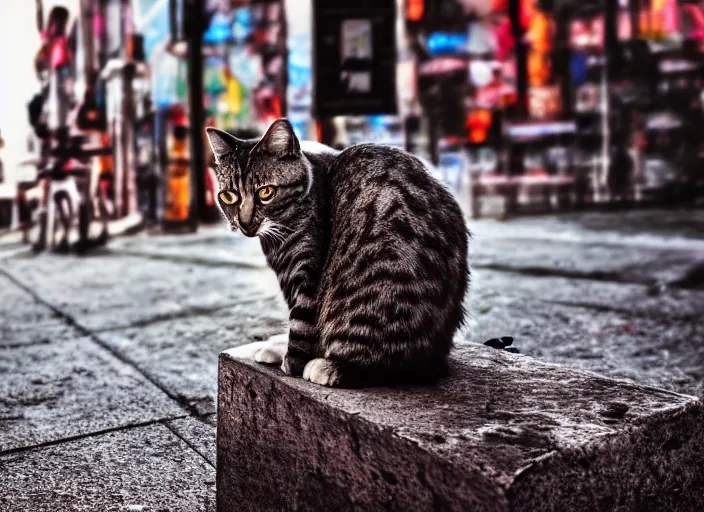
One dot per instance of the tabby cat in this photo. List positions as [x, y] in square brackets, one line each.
[369, 250]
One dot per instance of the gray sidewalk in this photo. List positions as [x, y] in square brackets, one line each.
[109, 362]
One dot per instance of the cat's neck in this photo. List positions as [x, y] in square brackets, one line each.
[308, 220]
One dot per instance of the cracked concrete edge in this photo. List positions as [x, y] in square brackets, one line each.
[662, 458]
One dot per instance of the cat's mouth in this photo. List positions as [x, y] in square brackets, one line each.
[250, 232]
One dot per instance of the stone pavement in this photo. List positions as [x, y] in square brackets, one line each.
[108, 362]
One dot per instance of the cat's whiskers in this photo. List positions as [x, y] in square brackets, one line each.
[272, 232]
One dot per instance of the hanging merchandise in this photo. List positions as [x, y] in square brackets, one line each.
[177, 202]
[245, 66]
[299, 72]
[243, 25]
[214, 79]
[166, 76]
[219, 31]
[233, 97]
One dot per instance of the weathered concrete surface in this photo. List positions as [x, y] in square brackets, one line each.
[661, 352]
[24, 321]
[108, 291]
[503, 432]
[181, 354]
[140, 469]
[70, 388]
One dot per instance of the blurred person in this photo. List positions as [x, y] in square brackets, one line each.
[53, 63]
[620, 172]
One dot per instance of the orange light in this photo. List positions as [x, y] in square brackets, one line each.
[477, 125]
[415, 10]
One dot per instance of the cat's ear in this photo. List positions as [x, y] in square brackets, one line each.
[222, 142]
[280, 140]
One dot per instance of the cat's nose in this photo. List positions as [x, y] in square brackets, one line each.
[249, 230]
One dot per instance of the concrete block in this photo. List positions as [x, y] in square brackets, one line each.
[503, 432]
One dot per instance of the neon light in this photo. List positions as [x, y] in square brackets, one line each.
[444, 43]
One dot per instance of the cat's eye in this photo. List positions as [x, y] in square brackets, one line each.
[228, 197]
[266, 194]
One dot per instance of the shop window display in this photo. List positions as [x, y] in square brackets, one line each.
[245, 76]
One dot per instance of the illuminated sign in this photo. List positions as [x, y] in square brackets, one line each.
[354, 57]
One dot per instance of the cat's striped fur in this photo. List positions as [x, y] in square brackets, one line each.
[369, 250]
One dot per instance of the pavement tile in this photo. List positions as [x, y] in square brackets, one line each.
[199, 432]
[182, 354]
[615, 262]
[24, 321]
[140, 469]
[643, 225]
[219, 247]
[489, 288]
[653, 351]
[107, 291]
[71, 388]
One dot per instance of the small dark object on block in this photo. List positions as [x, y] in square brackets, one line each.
[614, 410]
[513, 350]
[508, 340]
[495, 343]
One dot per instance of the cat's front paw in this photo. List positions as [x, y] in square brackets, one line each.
[293, 365]
[270, 351]
[323, 372]
[273, 354]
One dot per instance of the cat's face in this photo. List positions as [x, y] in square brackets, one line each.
[260, 184]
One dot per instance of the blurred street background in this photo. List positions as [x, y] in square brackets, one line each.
[570, 133]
